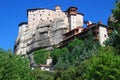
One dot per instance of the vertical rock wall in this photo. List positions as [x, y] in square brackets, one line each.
[45, 35]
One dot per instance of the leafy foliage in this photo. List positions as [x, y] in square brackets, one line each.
[13, 67]
[116, 13]
[114, 38]
[75, 53]
[103, 66]
[38, 74]
[79, 60]
[40, 56]
[68, 74]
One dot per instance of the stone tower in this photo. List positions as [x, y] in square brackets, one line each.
[75, 19]
[20, 46]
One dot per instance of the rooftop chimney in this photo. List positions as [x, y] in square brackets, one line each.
[99, 22]
[57, 8]
[89, 23]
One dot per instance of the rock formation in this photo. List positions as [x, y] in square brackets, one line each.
[45, 35]
[111, 19]
[45, 28]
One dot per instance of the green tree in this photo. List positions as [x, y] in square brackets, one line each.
[58, 53]
[103, 66]
[13, 67]
[114, 38]
[68, 74]
[40, 56]
[38, 74]
[116, 13]
[75, 52]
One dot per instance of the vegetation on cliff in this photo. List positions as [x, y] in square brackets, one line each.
[79, 60]
[40, 56]
[114, 39]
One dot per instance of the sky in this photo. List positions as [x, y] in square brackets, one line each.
[13, 12]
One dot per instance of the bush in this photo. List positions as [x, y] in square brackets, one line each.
[103, 66]
[13, 67]
[40, 56]
[38, 74]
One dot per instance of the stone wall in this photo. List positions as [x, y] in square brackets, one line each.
[44, 29]
[103, 35]
[45, 35]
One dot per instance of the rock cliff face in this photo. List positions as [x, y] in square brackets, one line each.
[45, 28]
[45, 35]
[111, 19]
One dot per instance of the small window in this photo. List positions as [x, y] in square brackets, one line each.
[48, 14]
[41, 19]
[47, 17]
[105, 36]
[20, 52]
[103, 42]
[50, 20]
[40, 14]
[33, 18]
[33, 14]
[33, 34]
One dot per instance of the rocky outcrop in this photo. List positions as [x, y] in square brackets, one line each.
[111, 19]
[57, 29]
[45, 35]
[45, 28]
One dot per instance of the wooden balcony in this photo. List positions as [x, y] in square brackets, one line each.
[109, 30]
[72, 33]
[96, 30]
[96, 38]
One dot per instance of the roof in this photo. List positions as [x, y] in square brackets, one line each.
[35, 9]
[75, 8]
[72, 7]
[102, 25]
[94, 24]
[44, 65]
[80, 13]
[22, 23]
[72, 30]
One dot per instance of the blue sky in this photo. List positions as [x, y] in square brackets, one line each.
[13, 12]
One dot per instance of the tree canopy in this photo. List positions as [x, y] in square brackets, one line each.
[79, 60]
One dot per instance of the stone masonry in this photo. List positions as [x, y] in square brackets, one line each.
[45, 28]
